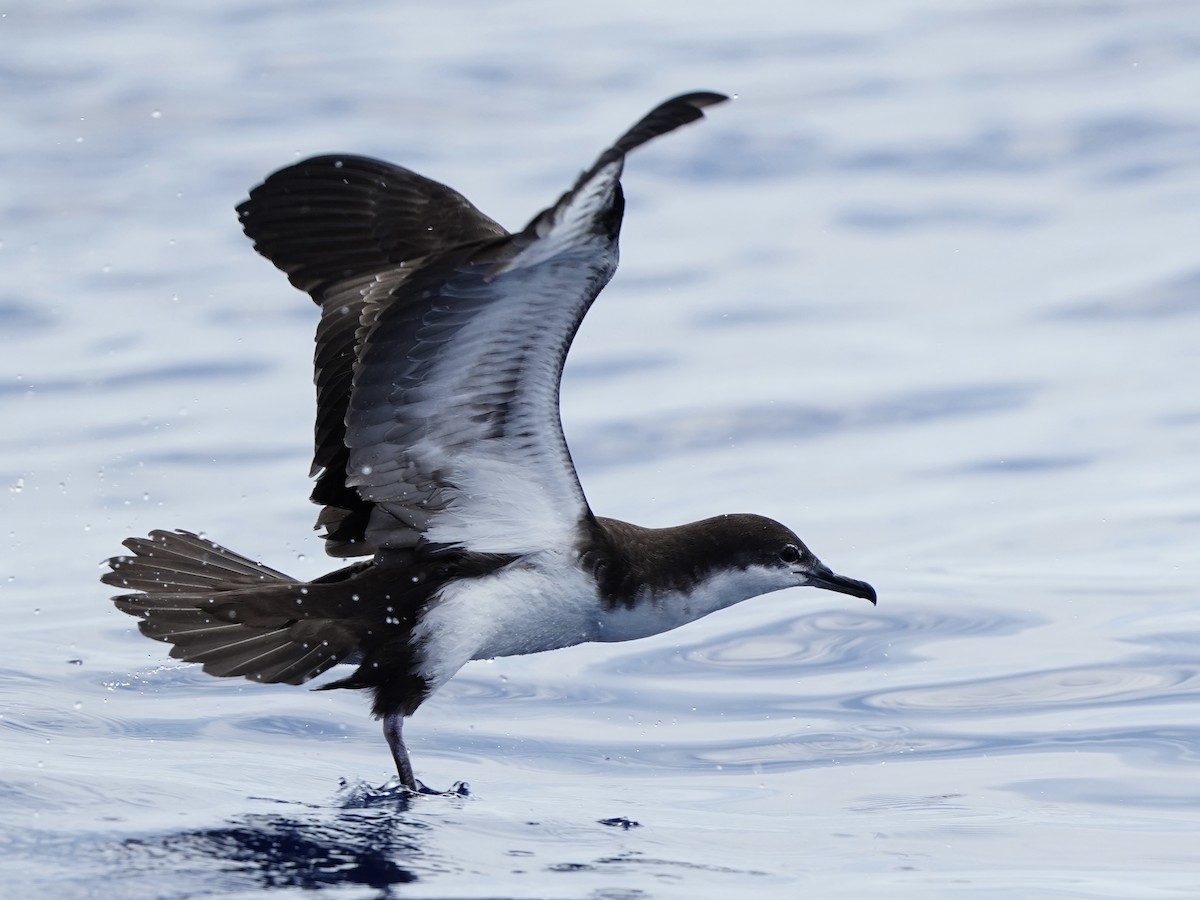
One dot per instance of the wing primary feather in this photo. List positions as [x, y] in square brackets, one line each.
[441, 342]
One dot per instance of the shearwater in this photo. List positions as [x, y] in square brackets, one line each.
[440, 455]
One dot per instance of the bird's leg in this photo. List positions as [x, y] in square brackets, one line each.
[392, 724]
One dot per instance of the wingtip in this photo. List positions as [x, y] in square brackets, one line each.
[666, 117]
[700, 99]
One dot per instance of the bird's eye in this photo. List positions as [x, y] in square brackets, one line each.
[790, 554]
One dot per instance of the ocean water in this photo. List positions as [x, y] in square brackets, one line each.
[928, 291]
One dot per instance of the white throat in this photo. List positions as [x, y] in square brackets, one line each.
[665, 610]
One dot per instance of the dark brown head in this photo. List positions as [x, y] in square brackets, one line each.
[732, 557]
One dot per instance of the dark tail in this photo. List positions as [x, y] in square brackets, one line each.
[227, 612]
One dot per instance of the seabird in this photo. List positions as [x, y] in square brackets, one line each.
[439, 453]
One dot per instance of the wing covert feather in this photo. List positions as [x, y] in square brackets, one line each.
[441, 344]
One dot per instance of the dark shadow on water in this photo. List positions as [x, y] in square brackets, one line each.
[275, 851]
[369, 841]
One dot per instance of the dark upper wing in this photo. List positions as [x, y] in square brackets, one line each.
[332, 223]
[330, 218]
[452, 422]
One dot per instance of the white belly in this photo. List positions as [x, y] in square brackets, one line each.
[515, 611]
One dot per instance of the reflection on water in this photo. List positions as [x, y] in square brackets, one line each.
[367, 847]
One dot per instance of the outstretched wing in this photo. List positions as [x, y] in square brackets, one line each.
[452, 426]
[332, 223]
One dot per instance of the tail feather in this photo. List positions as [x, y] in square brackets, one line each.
[234, 616]
[295, 671]
[182, 562]
[184, 622]
[254, 658]
[218, 643]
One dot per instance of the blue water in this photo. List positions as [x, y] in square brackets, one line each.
[929, 291]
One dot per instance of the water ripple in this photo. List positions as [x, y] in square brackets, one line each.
[294, 726]
[1177, 296]
[1031, 692]
[885, 218]
[867, 745]
[830, 640]
[196, 373]
[624, 441]
[17, 317]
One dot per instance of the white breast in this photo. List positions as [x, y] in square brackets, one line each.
[538, 604]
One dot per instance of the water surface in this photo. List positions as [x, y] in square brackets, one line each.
[928, 291]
